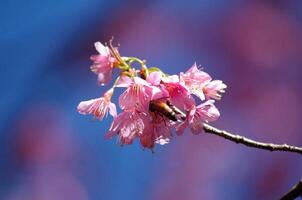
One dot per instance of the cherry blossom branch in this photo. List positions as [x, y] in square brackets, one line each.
[151, 95]
[246, 141]
[148, 111]
[294, 192]
[249, 142]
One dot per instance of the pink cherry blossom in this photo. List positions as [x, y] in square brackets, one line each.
[179, 95]
[162, 131]
[158, 130]
[154, 78]
[214, 89]
[132, 124]
[102, 63]
[205, 112]
[194, 79]
[128, 125]
[138, 94]
[98, 107]
[153, 104]
[147, 138]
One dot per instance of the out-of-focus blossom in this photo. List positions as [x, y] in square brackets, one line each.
[103, 63]
[214, 89]
[205, 112]
[194, 79]
[98, 107]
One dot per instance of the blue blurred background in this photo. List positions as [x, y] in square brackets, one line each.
[49, 151]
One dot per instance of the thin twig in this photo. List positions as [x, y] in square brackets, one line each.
[250, 143]
[294, 193]
[246, 141]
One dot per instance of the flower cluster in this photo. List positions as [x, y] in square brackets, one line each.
[154, 104]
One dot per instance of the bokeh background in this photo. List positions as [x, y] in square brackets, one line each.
[50, 152]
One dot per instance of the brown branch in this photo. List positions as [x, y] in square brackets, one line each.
[250, 143]
[240, 139]
[294, 193]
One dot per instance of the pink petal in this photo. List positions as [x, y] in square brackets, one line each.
[214, 89]
[132, 129]
[84, 107]
[99, 59]
[180, 97]
[138, 95]
[196, 125]
[147, 141]
[194, 79]
[101, 49]
[124, 81]
[154, 78]
[197, 75]
[154, 92]
[112, 110]
[171, 79]
[208, 111]
[140, 81]
[105, 77]
[147, 138]
[128, 99]
[181, 127]
[118, 122]
[97, 107]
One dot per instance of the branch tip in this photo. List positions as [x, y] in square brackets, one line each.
[249, 142]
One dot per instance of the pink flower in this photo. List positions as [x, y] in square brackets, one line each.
[205, 112]
[154, 78]
[153, 104]
[162, 131]
[214, 89]
[132, 124]
[194, 79]
[156, 131]
[98, 107]
[102, 63]
[128, 125]
[138, 94]
[178, 93]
